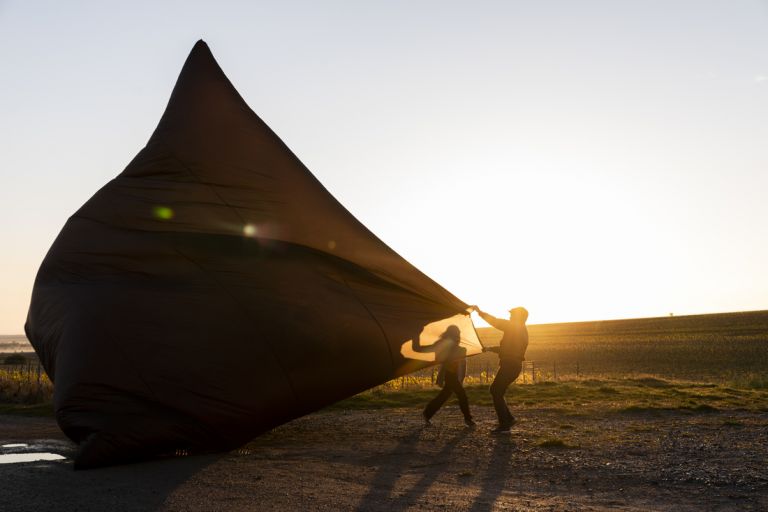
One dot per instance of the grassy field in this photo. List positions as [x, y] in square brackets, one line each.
[719, 347]
[728, 348]
[586, 396]
[692, 364]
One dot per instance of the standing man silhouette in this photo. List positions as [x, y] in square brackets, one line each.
[511, 353]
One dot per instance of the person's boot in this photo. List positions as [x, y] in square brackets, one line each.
[501, 429]
[469, 422]
[427, 422]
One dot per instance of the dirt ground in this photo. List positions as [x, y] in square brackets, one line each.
[371, 460]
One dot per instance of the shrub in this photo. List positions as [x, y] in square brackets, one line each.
[15, 359]
[24, 386]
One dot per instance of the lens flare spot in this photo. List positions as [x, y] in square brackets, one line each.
[162, 212]
[249, 230]
[331, 244]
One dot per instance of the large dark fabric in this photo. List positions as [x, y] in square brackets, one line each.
[215, 289]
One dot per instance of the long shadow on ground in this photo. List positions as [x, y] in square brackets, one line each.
[503, 449]
[379, 495]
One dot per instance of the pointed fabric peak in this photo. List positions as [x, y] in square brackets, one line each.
[202, 94]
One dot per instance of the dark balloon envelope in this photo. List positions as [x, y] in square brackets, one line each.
[215, 289]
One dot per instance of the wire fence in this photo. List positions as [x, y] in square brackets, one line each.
[482, 371]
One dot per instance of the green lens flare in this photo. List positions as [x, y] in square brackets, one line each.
[162, 212]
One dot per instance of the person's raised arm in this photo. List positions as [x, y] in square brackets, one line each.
[417, 347]
[492, 320]
[436, 347]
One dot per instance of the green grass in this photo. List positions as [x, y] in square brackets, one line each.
[553, 442]
[626, 396]
[386, 399]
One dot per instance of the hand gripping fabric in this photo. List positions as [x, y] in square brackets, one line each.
[215, 289]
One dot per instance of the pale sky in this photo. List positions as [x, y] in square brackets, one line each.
[588, 160]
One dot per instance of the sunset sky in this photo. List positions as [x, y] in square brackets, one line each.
[588, 160]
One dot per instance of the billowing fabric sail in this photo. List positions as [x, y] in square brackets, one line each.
[215, 289]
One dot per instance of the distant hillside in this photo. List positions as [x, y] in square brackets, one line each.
[748, 323]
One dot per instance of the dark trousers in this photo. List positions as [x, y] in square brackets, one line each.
[452, 385]
[506, 375]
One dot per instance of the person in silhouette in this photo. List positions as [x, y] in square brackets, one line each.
[448, 350]
[511, 353]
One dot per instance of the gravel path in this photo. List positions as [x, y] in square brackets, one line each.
[386, 460]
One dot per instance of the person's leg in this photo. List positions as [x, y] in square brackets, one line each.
[505, 376]
[452, 381]
[498, 387]
[513, 373]
[436, 402]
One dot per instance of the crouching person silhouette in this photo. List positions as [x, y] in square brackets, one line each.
[453, 356]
